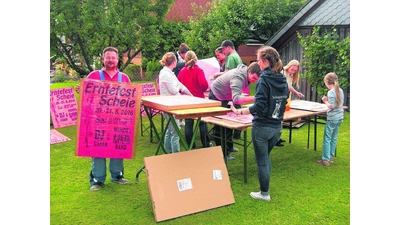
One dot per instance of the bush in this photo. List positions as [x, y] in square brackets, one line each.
[133, 72]
[64, 72]
[152, 67]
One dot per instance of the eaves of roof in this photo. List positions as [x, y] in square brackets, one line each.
[292, 22]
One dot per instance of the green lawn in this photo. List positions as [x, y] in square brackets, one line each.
[302, 191]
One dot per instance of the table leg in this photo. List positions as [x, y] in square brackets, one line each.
[290, 131]
[160, 143]
[315, 133]
[223, 143]
[196, 128]
[176, 127]
[308, 132]
[245, 155]
[152, 126]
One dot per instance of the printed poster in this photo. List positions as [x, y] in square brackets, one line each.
[148, 89]
[108, 119]
[63, 107]
[57, 137]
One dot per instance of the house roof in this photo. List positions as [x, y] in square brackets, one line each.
[315, 13]
[248, 50]
[181, 10]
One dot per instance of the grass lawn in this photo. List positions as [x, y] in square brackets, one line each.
[302, 191]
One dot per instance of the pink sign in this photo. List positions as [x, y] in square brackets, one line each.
[57, 137]
[63, 107]
[210, 66]
[108, 119]
[148, 89]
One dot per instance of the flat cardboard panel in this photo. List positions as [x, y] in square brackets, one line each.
[187, 182]
[173, 102]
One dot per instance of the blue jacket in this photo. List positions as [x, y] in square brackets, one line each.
[270, 99]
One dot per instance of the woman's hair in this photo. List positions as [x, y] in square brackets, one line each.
[332, 78]
[168, 59]
[272, 56]
[183, 48]
[190, 59]
[110, 49]
[296, 76]
[219, 50]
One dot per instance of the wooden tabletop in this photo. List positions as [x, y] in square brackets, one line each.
[292, 114]
[177, 102]
[199, 112]
[185, 106]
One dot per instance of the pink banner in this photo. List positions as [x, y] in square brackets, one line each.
[148, 89]
[57, 137]
[108, 119]
[210, 66]
[63, 107]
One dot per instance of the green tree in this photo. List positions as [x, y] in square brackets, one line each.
[324, 53]
[171, 38]
[80, 29]
[237, 20]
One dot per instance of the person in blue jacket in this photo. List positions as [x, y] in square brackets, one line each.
[270, 99]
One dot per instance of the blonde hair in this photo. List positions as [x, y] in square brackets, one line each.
[296, 76]
[272, 56]
[190, 59]
[168, 59]
[332, 78]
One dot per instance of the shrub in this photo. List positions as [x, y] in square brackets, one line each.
[133, 72]
[152, 67]
[64, 72]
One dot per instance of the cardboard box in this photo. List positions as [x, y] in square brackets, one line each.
[187, 182]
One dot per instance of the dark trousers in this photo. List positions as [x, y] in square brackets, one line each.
[217, 129]
[205, 140]
[237, 133]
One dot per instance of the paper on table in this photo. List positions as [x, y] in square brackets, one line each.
[237, 118]
[308, 105]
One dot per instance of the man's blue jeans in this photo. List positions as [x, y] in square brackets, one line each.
[264, 139]
[98, 173]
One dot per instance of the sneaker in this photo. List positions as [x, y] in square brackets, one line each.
[332, 159]
[281, 140]
[258, 195]
[234, 149]
[121, 181]
[279, 144]
[324, 163]
[210, 144]
[96, 187]
[229, 157]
